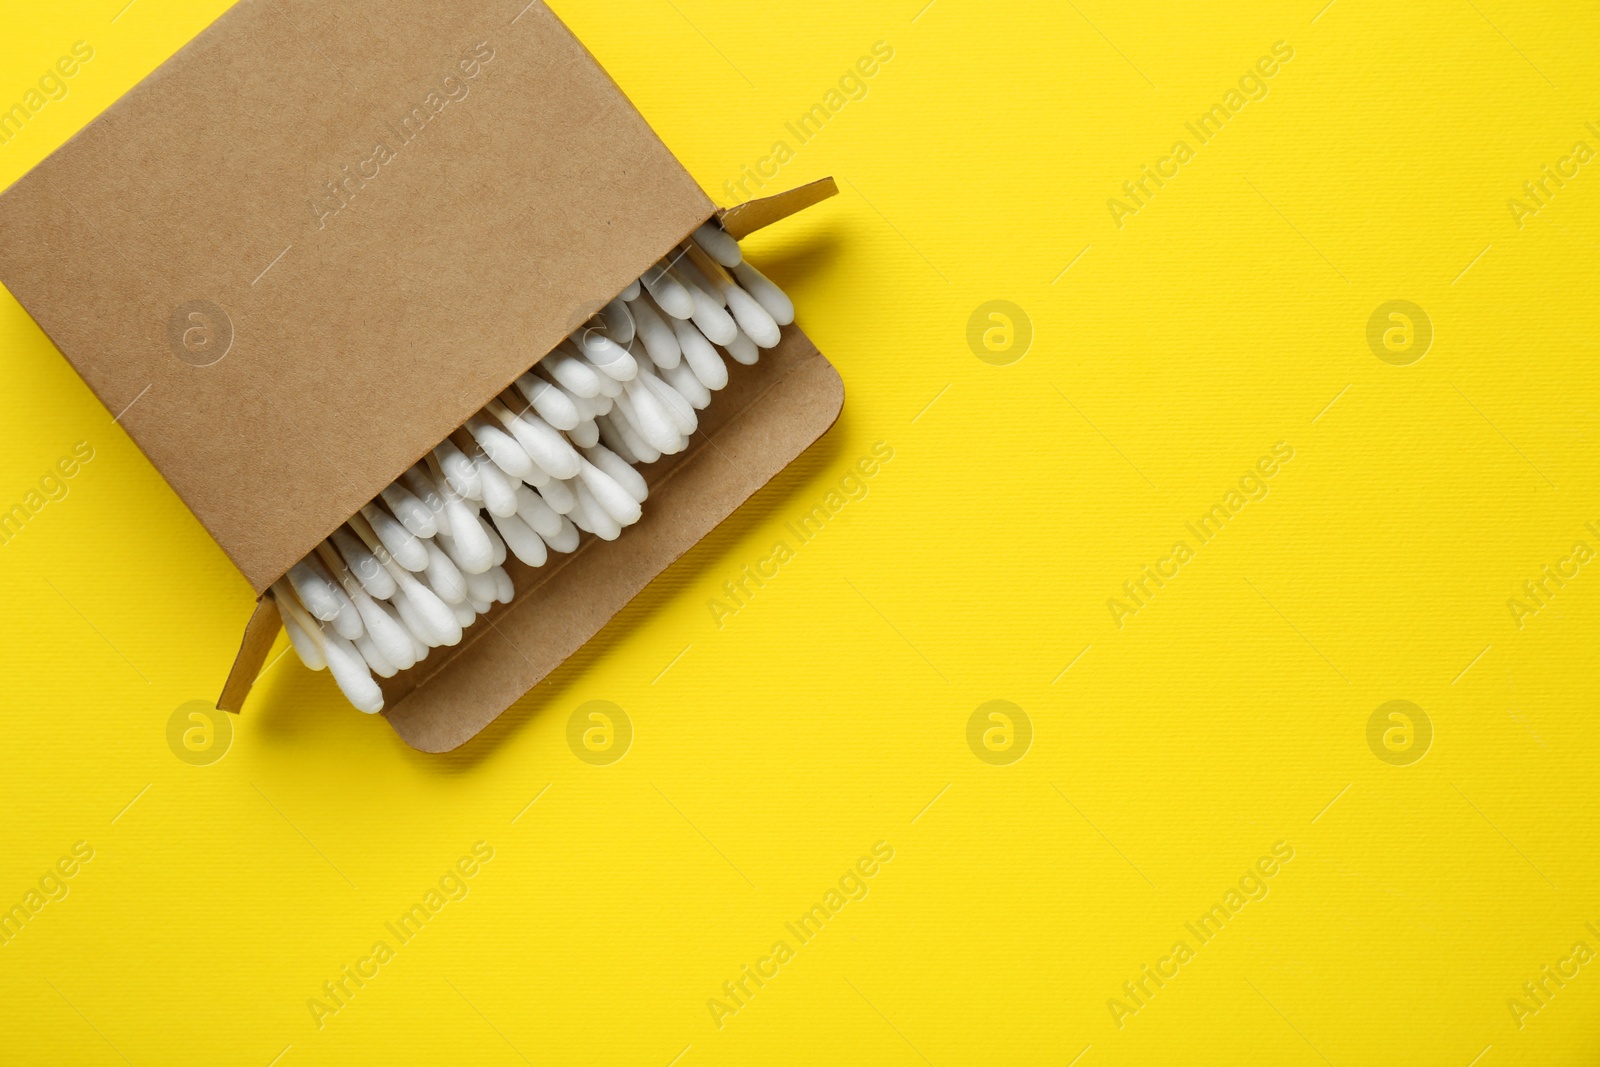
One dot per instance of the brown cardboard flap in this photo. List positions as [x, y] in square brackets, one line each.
[767, 416]
[259, 634]
[745, 219]
[492, 184]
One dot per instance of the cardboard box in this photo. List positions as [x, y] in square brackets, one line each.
[309, 246]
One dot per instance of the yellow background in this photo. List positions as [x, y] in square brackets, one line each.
[831, 712]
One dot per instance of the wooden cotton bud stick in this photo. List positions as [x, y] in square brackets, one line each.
[766, 293]
[402, 544]
[718, 245]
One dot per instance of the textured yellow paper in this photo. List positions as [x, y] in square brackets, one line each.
[1338, 702]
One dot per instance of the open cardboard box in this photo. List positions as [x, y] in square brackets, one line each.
[310, 245]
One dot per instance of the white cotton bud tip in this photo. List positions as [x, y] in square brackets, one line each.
[553, 405]
[617, 501]
[539, 516]
[363, 564]
[620, 471]
[392, 638]
[713, 321]
[422, 635]
[501, 448]
[315, 592]
[677, 408]
[459, 471]
[743, 350]
[552, 452]
[474, 551]
[304, 646]
[422, 487]
[718, 245]
[616, 361]
[465, 613]
[686, 385]
[497, 544]
[691, 275]
[618, 322]
[481, 588]
[646, 415]
[434, 614]
[614, 440]
[522, 541]
[659, 342]
[385, 634]
[633, 443]
[631, 293]
[402, 544]
[351, 675]
[444, 577]
[572, 374]
[498, 496]
[752, 318]
[668, 293]
[558, 496]
[504, 590]
[585, 434]
[768, 295]
[375, 659]
[600, 522]
[412, 513]
[566, 540]
[701, 357]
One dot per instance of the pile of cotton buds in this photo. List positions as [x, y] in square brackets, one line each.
[552, 455]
